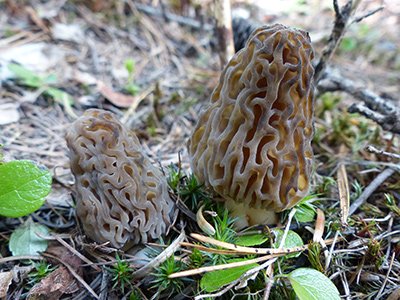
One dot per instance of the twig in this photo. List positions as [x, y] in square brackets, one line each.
[104, 286]
[370, 189]
[223, 30]
[341, 21]
[390, 122]
[223, 266]
[75, 252]
[387, 276]
[4, 260]
[367, 14]
[74, 274]
[247, 250]
[381, 110]
[212, 250]
[143, 271]
[344, 193]
[267, 291]
[329, 258]
[372, 149]
[171, 17]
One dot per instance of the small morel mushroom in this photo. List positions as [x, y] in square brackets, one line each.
[252, 143]
[121, 196]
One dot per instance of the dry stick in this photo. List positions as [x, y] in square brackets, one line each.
[270, 274]
[161, 257]
[367, 14]
[172, 17]
[74, 274]
[341, 20]
[223, 266]
[344, 192]
[224, 30]
[212, 250]
[387, 276]
[75, 252]
[381, 110]
[372, 149]
[247, 250]
[370, 189]
[4, 260]
[388, 122]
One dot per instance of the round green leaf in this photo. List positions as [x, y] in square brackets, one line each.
[292, 240]
[23, 187]
[310, 284]
[25, 240]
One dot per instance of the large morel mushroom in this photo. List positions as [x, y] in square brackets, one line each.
[121, 197]
[252, 143]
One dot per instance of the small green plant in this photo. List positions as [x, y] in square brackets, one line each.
[391, 204]
[325, 185]
[44, 83]
[174, 177]
[224, 228]
[121, 274]
[192, 191]
[196, 258]
[40, 270]
[328, 103]
[186, 104]
[187, 187]
[357, 190]
[165, 284]
[314, 256]
[223, 232]
[130, 86]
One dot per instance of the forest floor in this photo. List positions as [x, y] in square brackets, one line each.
[155, 73]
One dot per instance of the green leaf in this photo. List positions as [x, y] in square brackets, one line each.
[310, 284]
[305, 213]
[292, 240]
[59, 96]
[27, 77]
[23, 187]
[25, 240]
[305, 209]
[251, 240]
[213, 281]
[50, 79]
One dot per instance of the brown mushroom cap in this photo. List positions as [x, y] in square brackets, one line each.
[121, 196]
[252, 144]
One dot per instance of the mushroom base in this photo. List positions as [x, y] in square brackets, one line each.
[248, 216]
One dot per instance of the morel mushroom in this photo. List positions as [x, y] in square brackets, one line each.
[121, 196]
[252, 144]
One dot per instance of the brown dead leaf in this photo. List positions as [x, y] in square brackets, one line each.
[54, 285]
[5, 281]
[319, 226]
[395, 295]
[344, 193]
[64, 255]
[118, 99]
[36, 19]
